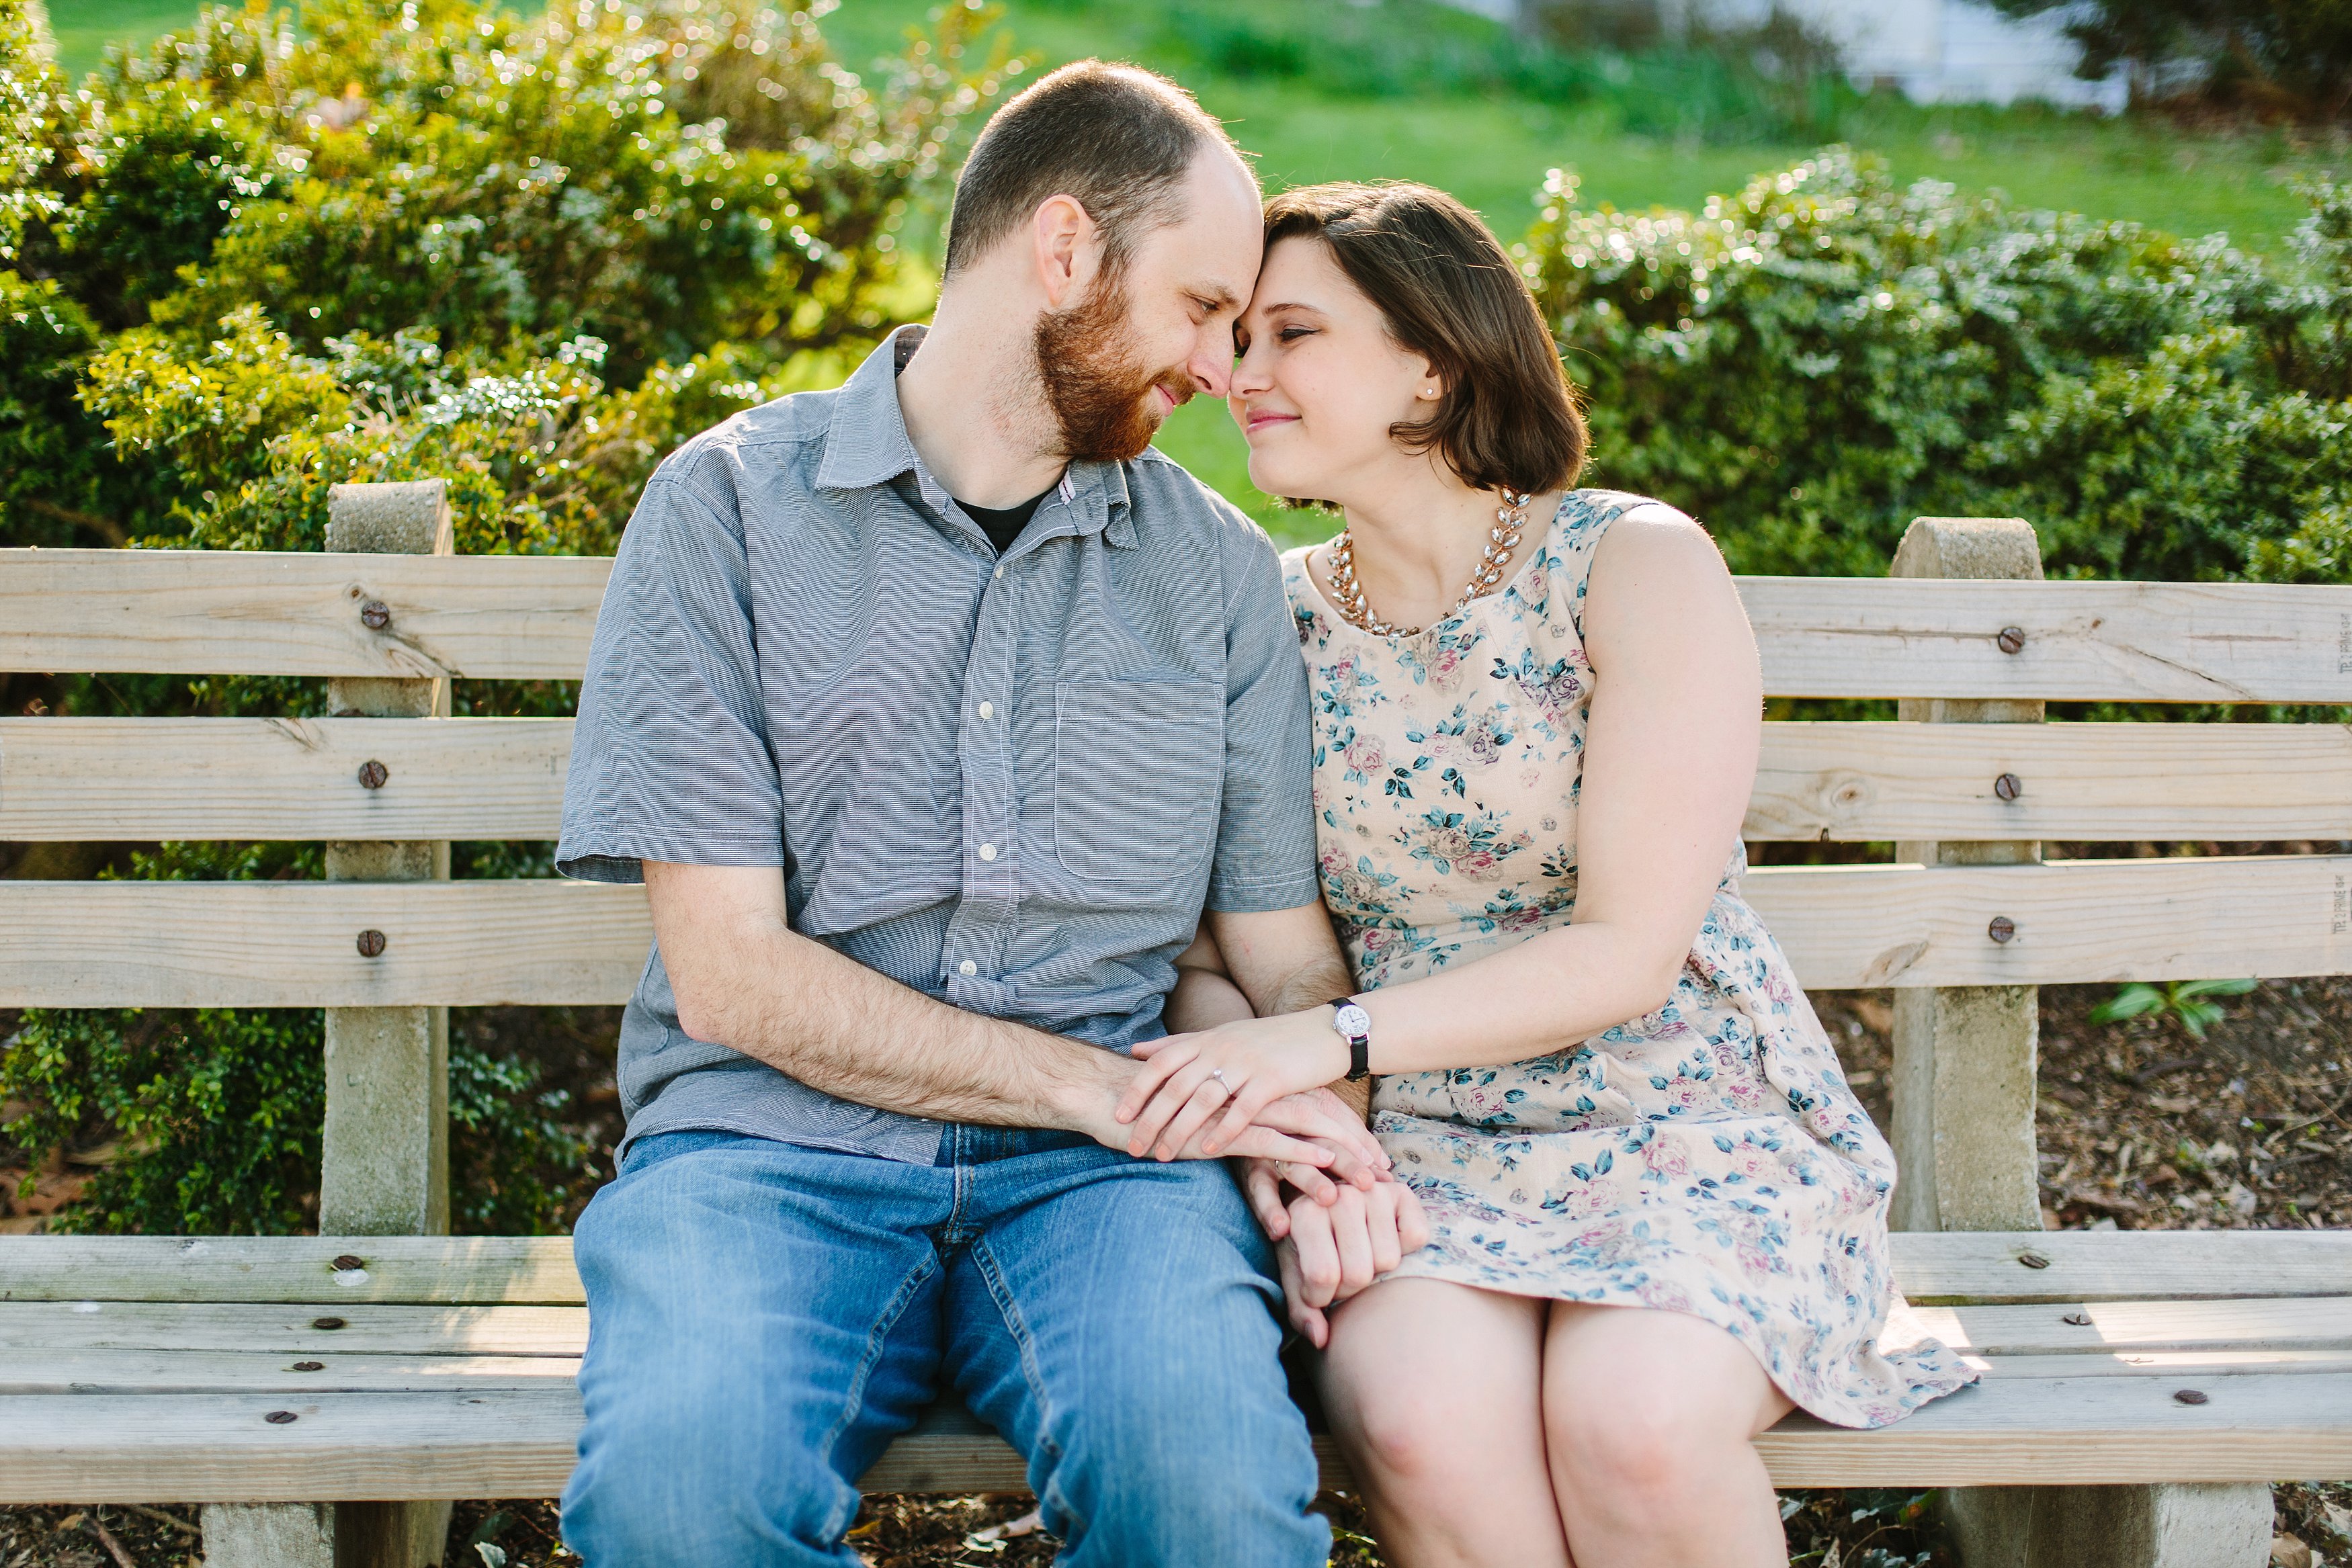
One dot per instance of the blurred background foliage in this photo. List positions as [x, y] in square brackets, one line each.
[270, 252]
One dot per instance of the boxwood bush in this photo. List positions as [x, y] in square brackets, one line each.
[1811, 363]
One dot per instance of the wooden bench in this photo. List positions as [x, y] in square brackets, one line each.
[319, 1393]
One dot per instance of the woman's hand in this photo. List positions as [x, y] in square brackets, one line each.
[1330, 1253]
[1238, 1069]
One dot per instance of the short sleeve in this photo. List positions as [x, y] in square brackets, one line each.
[670, 756]
[1265, 835]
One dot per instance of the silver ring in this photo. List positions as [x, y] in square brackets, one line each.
[1218, 1074]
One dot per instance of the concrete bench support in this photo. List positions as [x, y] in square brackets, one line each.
[1964, 1060]
[2221, 1526]
[385, 1166]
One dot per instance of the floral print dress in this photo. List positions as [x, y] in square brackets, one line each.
[1708, 1158]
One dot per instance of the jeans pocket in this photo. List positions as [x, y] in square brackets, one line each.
[1139, 766]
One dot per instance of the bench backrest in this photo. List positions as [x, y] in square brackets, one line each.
[180, 944]
[1966, 646]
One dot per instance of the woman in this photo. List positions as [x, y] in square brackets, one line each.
[1657, 1213]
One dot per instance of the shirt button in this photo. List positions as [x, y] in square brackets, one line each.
[988, 852]
[1000, 571]
[966, 968]
[988, 710]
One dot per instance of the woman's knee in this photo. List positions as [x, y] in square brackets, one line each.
[1412, 1437]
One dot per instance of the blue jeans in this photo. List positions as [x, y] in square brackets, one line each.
[763, 1319]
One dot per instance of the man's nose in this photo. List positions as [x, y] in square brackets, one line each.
[1212, 365]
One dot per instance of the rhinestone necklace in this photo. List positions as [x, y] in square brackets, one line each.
[1502, 539]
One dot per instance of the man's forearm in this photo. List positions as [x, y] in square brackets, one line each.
[744, 979]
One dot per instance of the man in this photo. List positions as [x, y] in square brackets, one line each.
[932, 712]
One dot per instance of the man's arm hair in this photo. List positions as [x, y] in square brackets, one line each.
[745, 980]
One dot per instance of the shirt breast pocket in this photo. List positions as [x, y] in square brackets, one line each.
[1137, 769]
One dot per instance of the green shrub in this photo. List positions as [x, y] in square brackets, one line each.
[1811, 364]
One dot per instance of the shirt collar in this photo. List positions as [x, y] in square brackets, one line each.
[866, 444]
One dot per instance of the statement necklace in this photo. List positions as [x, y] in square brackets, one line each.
[1347, 593]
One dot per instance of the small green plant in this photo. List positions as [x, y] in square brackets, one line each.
[2182, 999]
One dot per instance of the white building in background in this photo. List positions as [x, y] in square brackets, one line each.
[1936, 51]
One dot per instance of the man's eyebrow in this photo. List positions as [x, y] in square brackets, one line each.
[1217, 296]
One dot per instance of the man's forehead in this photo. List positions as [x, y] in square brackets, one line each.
[1213, 250]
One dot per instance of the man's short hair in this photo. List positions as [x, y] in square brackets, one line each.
[1117, 138]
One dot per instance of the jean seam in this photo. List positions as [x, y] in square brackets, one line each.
[855, 1403]
[1007, 1309]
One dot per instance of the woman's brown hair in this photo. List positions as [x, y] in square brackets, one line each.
[1508, 416]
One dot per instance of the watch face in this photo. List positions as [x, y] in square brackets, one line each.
[1352, 1019]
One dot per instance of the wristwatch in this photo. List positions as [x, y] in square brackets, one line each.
[1355, 1027]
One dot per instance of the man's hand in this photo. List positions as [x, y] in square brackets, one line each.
[1315, 1138]
[1329, 1252]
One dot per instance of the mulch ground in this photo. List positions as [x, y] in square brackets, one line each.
[2142, 1127]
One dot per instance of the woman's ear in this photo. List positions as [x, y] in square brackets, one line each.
[1433, 386]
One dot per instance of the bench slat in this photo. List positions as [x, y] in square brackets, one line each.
[457, 1270]
[2314, 1322]
[2151, 641]
[2073, 920]
[2178, 1364]
[463, 944]
[1931, 1268]
[87, 1371]
[287, 1329]
[248, 1372]
[109, 779]
[1953, 1266]
[254, 613]
[480, 944]
[519, 1443]
[143, 778]
[2095, 782]
[2323, 1322]
[261, 613]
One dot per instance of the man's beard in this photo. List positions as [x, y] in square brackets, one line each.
[1099, 396]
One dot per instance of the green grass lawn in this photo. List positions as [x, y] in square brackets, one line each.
[1493, 151]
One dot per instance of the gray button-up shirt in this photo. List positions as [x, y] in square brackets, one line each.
[1010, 784]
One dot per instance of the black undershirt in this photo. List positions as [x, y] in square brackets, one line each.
[1002, 525]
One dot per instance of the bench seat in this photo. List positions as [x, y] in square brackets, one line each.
[422, 1367]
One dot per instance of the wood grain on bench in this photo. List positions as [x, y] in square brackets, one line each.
[530, 618]
[110, 780]
[545, 941]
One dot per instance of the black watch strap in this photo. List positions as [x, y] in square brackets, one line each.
[1355, 1028]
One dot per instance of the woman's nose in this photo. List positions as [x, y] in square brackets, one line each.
[1248, 374]
[1211, 364]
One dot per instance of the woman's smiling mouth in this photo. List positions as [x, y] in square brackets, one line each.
[1265, 419]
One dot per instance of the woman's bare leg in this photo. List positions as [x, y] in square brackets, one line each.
[1432, 1388]
[1647, 1417]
